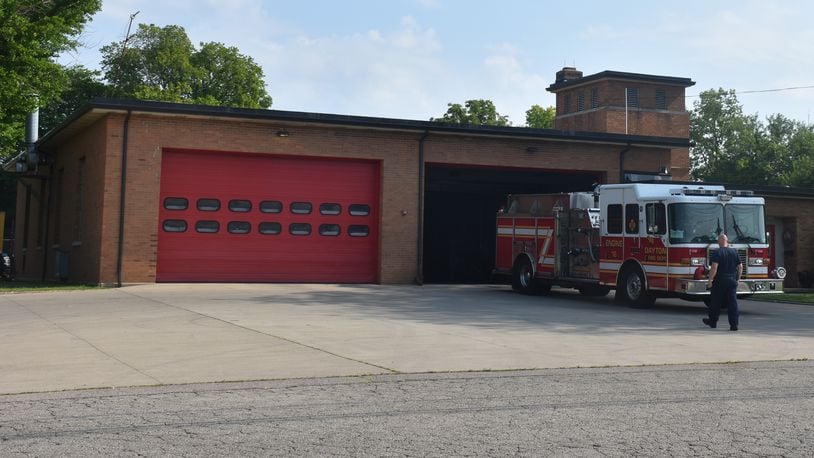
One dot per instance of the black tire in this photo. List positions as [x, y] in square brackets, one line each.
[632, 289]
[594, 291]
[523, 276]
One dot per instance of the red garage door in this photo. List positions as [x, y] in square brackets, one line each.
[245, 217]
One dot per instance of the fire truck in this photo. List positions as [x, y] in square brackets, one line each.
[643, 240]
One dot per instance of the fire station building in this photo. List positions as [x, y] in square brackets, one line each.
[137, 192]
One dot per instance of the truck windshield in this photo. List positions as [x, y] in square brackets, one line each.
[744, 223]
[701, 223]
[695, 223]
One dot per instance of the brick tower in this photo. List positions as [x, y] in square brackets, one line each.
[625, 103]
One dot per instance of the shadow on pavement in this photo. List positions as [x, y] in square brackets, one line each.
[497, 306]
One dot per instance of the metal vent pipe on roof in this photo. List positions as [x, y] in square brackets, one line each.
[32, 134]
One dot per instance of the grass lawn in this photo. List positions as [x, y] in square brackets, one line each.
[30, 286]
[797, 298]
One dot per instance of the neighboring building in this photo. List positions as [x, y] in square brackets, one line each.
[789, 219]
[134, 191]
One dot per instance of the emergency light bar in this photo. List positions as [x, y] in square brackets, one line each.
[729, 193]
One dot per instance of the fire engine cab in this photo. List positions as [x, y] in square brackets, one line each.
[643, 240]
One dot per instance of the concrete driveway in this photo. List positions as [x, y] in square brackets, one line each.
[187, 333]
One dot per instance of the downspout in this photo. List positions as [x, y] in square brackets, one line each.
[122, 199]
[419, 276]
[622, 163]
[47, 221]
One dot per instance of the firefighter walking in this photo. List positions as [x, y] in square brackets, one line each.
[724, 274]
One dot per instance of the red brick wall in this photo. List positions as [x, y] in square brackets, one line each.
[610, 115]
[80, 242]
[796, 216]
[149, 134]
[94, 260]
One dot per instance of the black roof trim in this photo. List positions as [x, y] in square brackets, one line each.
[362, 122]
[610, 74]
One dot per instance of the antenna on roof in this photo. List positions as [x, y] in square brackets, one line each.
[129, 25]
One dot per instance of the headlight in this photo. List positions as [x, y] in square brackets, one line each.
[698, 261]
[780, 272]
[755, 261]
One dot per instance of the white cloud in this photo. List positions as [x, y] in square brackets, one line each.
[757, 46]
[408, 59]
[514, 89]
[388, 74]
[412, 36]
[429, 3]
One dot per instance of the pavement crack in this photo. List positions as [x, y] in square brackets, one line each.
[86, 341]
[267, 334]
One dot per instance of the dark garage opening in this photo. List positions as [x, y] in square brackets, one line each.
[460, 204]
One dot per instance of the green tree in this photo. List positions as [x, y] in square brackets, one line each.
[83, 84]
[801, 157]
[732, 147]
[158, 63]
[540, 118]
[227, 77]
[478, 112]
[32, 34]
[721, 133]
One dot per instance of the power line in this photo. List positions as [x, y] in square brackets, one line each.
[792, 88]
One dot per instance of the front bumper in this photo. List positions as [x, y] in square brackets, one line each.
[746, 286]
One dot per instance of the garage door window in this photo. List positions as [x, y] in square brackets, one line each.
[267, 228]
[271, 206]
[299, 229]
[239, 227]
[208, 205]
[331, 230]
[358, 230]
[239, 205]
[301, 208]
[330, 209]
[176, 203]
[207, 227]
[175, 225]
[359, 209]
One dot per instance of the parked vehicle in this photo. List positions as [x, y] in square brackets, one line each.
[643, 240]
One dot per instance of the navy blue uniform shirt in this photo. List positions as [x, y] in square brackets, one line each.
[728, 260]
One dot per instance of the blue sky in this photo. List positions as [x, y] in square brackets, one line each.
[409, 58]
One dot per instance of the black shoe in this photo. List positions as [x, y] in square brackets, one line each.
[733, 328]
[709, 322]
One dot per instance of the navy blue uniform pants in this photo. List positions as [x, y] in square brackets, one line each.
[723, 293]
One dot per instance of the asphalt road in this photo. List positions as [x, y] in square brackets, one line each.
[374, 370]
[744, 409]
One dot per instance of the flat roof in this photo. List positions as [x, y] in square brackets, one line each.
[97, 108]
[610, 74]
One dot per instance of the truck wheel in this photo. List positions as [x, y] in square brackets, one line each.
[523, 276]
[633, 291]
